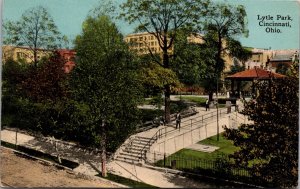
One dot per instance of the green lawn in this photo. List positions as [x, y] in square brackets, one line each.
[226, 148]
[192, 160]
[198, 100]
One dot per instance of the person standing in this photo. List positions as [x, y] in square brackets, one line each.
[207, 104]
[178, 120]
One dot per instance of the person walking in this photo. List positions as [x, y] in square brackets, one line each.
[178, 120]
[207, 104]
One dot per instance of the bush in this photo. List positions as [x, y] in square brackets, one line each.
[178, 106]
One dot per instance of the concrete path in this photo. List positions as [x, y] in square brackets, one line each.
[90, 162]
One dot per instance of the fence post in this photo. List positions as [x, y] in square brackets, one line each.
[202, 118]
[16, 138]
[183, 140]
[192, 130]
[206, 129]
[175, 144]
[165, 159]
[199, 133]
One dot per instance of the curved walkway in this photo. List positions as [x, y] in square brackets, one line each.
[89, 162]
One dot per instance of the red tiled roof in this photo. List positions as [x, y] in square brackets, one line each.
[255, 73]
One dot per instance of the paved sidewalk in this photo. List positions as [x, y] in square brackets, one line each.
[90, 162]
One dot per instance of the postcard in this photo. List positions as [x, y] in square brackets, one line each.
[140, 93]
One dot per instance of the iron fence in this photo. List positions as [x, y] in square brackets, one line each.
[220, 164]
[220, 167]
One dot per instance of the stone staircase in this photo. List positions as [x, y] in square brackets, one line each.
[134, 150]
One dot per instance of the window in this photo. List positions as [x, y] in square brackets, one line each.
[21, 55]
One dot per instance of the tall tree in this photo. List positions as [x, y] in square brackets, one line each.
[47, 82]
[105, 80]
[270, 143]
[36, 30]
[188, 60]
[162, 19]
[222, 23]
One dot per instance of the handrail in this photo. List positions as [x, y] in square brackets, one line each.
[149, 143]
[159, 133]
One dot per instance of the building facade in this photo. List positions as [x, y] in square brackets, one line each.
[23, 54]
[142, 43]
[270, 59]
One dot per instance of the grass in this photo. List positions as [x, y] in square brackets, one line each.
[213, 164]
[127, 182]
[198, 100]
[226, 147]
[198, 158]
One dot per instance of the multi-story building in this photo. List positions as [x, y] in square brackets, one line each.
[143, 42]
[25, 54]
[270, 59]
[69, 56]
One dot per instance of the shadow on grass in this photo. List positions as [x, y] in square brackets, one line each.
[126, 181]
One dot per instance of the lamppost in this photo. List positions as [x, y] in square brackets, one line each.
[218, 130]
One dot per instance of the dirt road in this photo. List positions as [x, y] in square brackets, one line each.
[17, 171]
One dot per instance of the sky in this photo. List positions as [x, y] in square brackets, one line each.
[70, 14]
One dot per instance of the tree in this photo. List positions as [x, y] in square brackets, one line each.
[47, 82]
[162, 19]
[282, 68]
[222, 23]
[36, 30]
[270, 143]
[105, 82]
[188, 61]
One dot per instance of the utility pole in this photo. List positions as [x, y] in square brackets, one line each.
[217, 108]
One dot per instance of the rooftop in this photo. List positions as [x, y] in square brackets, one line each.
[255, 73]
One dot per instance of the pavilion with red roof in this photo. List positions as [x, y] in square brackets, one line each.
[251, 75]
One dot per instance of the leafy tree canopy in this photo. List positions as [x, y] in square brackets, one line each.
[36, 30]
[105, 80]
[269, 146]
[162, 19]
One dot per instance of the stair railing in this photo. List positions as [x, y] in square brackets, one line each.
[186, 123]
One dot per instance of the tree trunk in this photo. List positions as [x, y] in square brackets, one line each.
[167, 104]
[210, 96]
[167, 87]
[103, 151]
[35, 57]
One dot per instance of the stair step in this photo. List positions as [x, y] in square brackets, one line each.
[128, 158]
[128, 154]
[140, 146]
[142, 138]
[132, 150]
[140, 142]
[129, 161]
